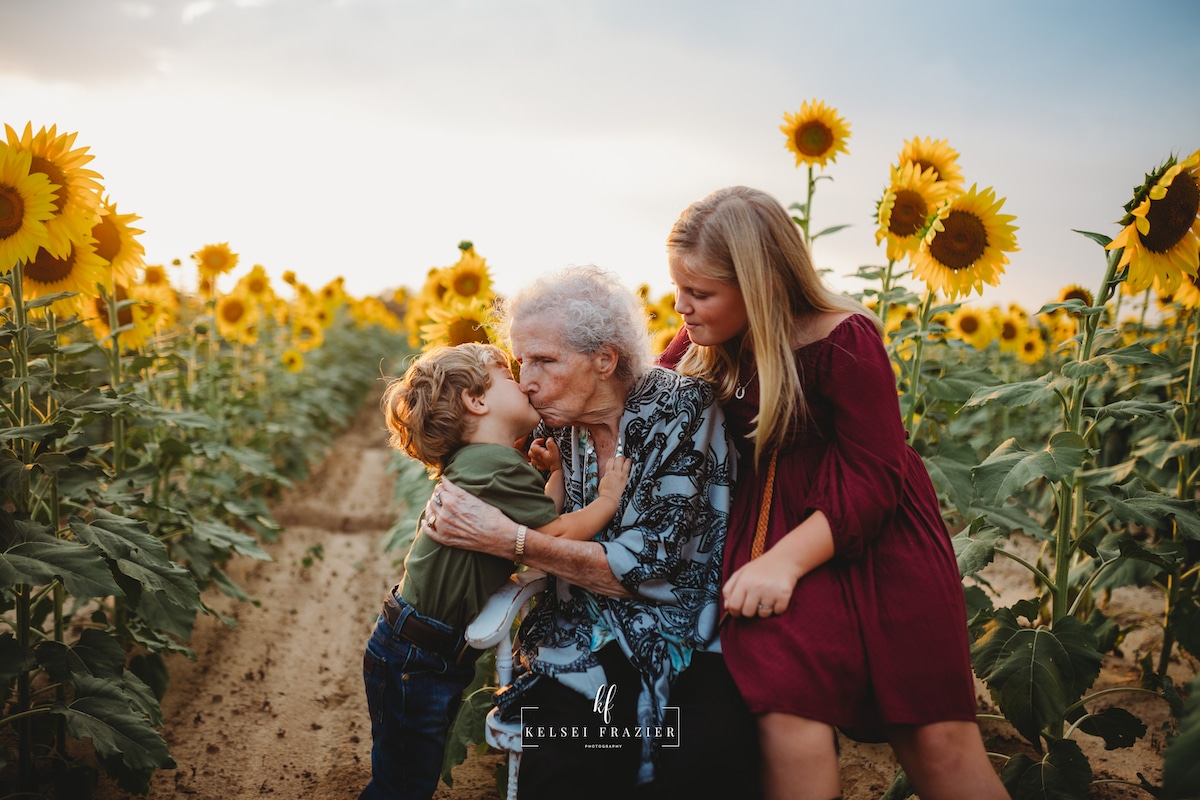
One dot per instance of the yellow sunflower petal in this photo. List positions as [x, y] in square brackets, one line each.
[77, 193]
[1161, 237]
[936, 154]
[26, 203]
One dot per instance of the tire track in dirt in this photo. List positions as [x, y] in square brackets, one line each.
[275, 704]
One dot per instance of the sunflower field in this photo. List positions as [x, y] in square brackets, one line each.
[146, 432]
[149, 428]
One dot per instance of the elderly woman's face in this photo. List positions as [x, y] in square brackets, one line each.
[559, 381]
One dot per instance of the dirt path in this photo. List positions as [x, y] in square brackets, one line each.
[275, 705]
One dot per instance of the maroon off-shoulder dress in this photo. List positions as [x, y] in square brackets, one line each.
[878, 634]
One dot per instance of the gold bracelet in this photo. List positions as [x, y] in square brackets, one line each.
[520, 550]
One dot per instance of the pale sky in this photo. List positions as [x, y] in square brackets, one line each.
[366, 138]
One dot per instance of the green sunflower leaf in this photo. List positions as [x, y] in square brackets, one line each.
[1181, 768]
[1013, 395]
[1028, 670]
[1010, 468]
[1116, 726]
[1062, 774]
[82, 569]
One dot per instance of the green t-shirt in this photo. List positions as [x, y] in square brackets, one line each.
[450, 584]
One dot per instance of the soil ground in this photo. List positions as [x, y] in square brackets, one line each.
[275, 706]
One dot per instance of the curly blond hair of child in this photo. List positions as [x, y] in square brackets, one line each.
[424, 408]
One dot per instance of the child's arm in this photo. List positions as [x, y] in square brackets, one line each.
[543, 454]
[585, 523]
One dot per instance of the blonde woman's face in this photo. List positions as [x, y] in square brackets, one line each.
[713, 311]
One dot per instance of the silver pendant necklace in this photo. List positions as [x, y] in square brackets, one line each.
[739, 391]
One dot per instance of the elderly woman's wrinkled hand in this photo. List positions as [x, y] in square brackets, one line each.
[456, 518]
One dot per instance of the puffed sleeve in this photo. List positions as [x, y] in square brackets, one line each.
[860, 480]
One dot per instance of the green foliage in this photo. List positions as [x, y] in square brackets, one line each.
[1090, 450]
[127, 482]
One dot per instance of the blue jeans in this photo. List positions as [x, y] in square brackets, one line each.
[412, 695]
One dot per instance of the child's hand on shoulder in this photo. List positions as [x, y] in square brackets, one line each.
[616, 475]
[543, 454]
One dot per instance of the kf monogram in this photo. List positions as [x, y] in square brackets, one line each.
[604, 701]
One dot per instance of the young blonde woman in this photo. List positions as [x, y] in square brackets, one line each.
[853, 614]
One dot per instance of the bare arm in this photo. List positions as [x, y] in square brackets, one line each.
[585, 523]
[543, 454]
[465, 521]
[769, 579]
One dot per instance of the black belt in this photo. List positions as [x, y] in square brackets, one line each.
[450, 646]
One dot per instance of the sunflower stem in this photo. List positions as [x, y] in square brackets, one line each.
[885, 299]
[914, 382]
[114, 376]
[22, 601]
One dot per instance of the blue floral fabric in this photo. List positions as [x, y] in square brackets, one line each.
[664, 545]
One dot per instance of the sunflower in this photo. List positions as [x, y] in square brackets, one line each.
[815, 133]
[1010, 330]
[26, 203]
[1188, 293]
[160, 303]
[289, 277]
[307, 334]
[135, 320]
[1161, 237]
[939, 155]
[80, 271]
[256, 286]
[1032, 348]
[469, 278]
[333, 294]
[77, 192]
[1074, 292]
[292, 360]
[457, 323]
[237, 318]
[907, 204]
[972, 326]
[213, 260]
[373, 311]
[117, 244]
[965, 247]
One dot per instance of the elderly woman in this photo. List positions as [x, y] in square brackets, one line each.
[622, 649]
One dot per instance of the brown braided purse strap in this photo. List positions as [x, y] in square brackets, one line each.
[764, 511]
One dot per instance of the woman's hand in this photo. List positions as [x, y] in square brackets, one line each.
[544, 455]
[762, 587]
[457, 518]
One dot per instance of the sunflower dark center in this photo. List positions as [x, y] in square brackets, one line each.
[466, 284]
[908, 213]
[1172, 216]
[1008, 330]
[46, 269]
[814, 138]
[256, 286]
[56, 176]
[12, 211]
[233, 310]
[108, 239]
[962, 241]
[1029, 346]
[466, 330]
[969, 324]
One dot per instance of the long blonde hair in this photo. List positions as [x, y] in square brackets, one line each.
[745, 237]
